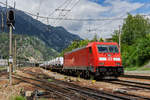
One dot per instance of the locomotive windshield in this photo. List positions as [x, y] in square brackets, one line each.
[107, 48]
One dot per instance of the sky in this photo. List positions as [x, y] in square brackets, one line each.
[85, 9]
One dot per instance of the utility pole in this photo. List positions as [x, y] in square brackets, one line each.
[2, 20]
[120, 38]
[10, 55]
[48, 24]
[14, 56]
[6, 4]
[37, 16]
[10, 24]
[14, 4]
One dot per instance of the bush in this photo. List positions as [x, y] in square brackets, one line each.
[143, 50]
[18, 98]
[137, 54]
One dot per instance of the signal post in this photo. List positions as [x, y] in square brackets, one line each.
[10, 24]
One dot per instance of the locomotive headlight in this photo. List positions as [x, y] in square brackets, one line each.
[101, 64]
[116, 59]
[118, 64]
[102, 58]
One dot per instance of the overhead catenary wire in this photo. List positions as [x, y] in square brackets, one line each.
[63, 9]
[57, 8]
[73, 19]
[38, 12]
[40, 5]
[67, 19]
[106, 23]
[71, 8]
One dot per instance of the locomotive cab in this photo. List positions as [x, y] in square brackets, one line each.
[108, 60]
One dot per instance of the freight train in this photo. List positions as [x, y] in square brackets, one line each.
[99, 59]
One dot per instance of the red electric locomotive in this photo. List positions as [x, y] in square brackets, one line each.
[97, 58]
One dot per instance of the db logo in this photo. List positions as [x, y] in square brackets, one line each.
[109, 58]
[73, 59]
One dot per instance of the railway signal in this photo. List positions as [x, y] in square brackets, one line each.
[10, 18]
[10, 24]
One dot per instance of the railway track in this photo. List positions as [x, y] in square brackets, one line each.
[59, 92]
[96, 94]
[131, 83]
[3, 71]
[135, 85]
[70, 95]
[136, 76]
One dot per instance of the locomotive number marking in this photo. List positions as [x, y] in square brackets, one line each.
[109, 58]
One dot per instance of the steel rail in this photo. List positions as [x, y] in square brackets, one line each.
[123, 94]
[43, 87]
[88, 91]
[59, 90]
[129, 83]
[136, 76]
[139, 83]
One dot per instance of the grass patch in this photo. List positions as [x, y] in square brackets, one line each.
[137, 69]
[18, 98]
[2, 67]
[15, 72]
[91, 77]
[41, 76]
[49, 80]
[131, 68]
[144, 69]
[42, 99]
[65, 77]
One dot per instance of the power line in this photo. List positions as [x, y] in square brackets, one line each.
[40, 5]
[106, 23]
[63, 9]
[72, 7]
[67, 19]
[38, 12]
[71, 19]
[57, 8]
[74, 19]
[75, 4]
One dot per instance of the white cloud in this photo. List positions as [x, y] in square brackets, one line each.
[84, 9]
[118, 6]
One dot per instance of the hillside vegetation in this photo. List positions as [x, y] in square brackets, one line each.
[57, 38]
[28, 48]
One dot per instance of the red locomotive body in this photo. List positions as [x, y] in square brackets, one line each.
[97, 58]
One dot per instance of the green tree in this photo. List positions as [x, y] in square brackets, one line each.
[115, 36]
[133, 28]
[101, 40]
[95, 38]
[135, 48]
[143, 50]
